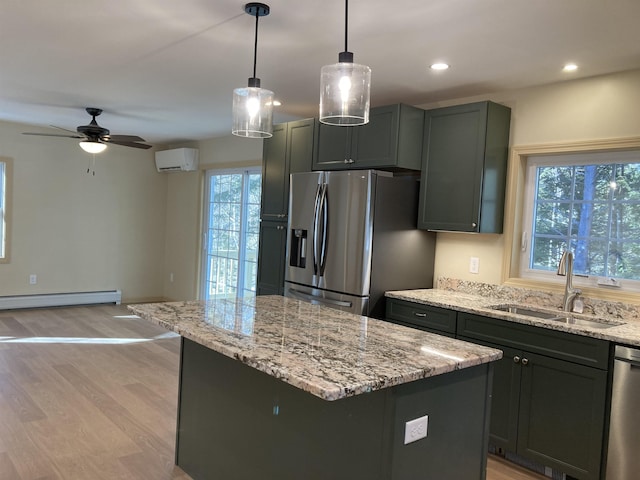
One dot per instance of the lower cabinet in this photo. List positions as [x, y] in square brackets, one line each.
[544, 407]
[424, 317]
[271, 260]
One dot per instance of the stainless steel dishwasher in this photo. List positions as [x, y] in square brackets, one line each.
[623, 462]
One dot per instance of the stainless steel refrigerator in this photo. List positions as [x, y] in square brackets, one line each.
[352, 236]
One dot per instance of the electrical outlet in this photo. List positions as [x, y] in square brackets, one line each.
[33, 279]
[416, 429]
[474, 265]
[171, 277]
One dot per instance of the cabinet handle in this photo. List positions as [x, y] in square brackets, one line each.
[418, 314]
[516, 359]
[280, 227]
[525, 361]
[474, 225]
[349, 160]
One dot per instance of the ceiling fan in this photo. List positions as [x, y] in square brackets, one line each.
[94, 138]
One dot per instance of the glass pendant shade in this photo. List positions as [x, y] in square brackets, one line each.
[252, 112]
[92, 147]
[345, 89]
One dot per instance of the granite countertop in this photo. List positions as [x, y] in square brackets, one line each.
[323, 351]
[623, 326]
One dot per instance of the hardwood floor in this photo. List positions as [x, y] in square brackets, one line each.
[90, 393]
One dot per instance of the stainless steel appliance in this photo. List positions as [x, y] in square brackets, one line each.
[352, 236]
[623, 461]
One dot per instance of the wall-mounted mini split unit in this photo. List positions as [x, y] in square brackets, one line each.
[177, 160]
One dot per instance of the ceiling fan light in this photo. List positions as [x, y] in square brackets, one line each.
[345, 91]
[92, 147]
[252, 112]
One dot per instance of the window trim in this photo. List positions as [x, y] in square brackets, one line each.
[8, 176]
[514, 218]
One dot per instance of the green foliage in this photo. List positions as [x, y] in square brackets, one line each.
[593, 210]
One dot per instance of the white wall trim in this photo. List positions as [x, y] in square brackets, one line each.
[60, 299]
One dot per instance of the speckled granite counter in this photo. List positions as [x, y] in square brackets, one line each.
[326, 352]
[479, 299]
[255, 378]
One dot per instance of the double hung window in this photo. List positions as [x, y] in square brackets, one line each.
[589, 204]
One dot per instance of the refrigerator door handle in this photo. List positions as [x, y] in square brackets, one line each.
[328, 301]
[324, 211]
[316, 221]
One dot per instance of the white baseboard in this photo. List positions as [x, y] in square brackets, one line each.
[60, 299]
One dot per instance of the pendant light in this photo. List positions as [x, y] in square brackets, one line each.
[345, 88]
[92, 146]
[253, 106]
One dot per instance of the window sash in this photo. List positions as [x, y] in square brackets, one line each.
[530, 204]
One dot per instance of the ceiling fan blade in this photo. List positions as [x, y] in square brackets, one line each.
[65, 129]
[126, 138]
[52, 135]
[129, 144]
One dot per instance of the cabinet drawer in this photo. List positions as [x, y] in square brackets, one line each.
[421, 316]
[565, 346]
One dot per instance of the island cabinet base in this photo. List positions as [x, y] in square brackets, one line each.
[237, 423]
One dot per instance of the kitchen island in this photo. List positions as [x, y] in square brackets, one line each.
[279, 388]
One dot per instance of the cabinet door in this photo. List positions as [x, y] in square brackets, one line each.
[300, 145]
[271, 257]
[453, 162]
[333, 148]
[275, 175]
[562, 413]
[376, 143]
[505, 397]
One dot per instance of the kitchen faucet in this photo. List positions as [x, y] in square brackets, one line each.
[565, 268]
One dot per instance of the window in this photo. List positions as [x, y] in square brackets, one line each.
[232, 228]
[588, 203]
[4, 173]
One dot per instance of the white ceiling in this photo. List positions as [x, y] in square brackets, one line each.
[166, 69]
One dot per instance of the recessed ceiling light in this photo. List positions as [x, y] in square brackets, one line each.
[570, 67]
[439, 66]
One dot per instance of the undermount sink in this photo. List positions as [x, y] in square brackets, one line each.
[561, 317]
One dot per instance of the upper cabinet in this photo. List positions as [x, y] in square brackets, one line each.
[391, 140]
[289, 150]
[464, 168]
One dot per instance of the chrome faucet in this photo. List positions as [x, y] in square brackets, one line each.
[565, 268]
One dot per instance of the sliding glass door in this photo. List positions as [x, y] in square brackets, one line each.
[231, 229]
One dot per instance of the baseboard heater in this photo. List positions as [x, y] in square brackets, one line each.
[59, 299]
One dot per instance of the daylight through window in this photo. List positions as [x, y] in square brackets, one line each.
[588, 204]
[232, 225]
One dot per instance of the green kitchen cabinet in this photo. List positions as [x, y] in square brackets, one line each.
[424, 317]
[271, 257]
[549, 393]
[289, 150]
[391, 140]
[464, 167]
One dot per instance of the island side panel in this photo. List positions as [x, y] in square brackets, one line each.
[236, 422]
[458, 405]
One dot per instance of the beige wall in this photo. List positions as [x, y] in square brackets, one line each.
[78, 232]
[184, 210]
[595, 108]
[130, 227]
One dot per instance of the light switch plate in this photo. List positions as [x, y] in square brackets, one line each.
[416, 429]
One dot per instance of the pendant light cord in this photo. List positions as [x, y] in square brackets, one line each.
[346, 23]
[255, 46]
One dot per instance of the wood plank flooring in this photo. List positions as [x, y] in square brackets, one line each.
[91, 393]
